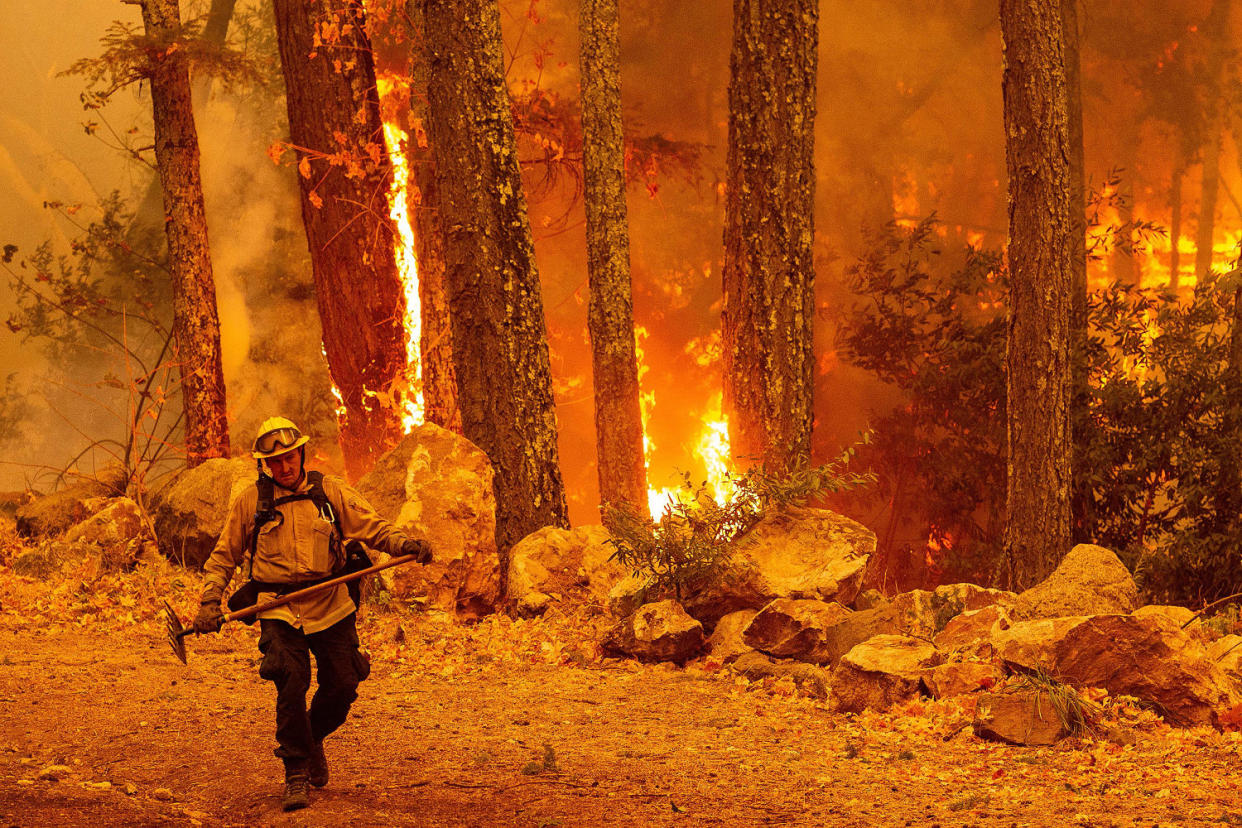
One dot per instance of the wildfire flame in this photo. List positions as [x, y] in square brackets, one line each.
[407, 266]
[712, 447]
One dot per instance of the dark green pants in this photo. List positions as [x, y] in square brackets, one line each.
[340, 666]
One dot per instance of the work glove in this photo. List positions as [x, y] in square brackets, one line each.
[420, 549]
[210, 618]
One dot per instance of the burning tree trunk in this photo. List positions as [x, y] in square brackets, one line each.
[196, 323]
[1037, 529]
[768, 268]
[499, 350]
[334, 123]
[436, 344]
[618, 419]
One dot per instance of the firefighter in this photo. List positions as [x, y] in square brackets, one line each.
[287, 531]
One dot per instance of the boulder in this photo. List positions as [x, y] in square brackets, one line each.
[1023, 717]
[42, 562]
[189, 511]
[869, 599]
[952, 599]
[662, 631]
[437, 486]
[796, 552]
[726, 643]
[54, 513]
[972, 631]
[575, 563]
[117, 533]
[959, 678]
[1091, 580]
[795, 628]
[626, 596]
[881, 672]
[1226, 653]
[1145, 656]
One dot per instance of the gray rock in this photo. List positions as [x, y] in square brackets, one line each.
[794, 628]
[437, 486]
[881, 672]
[792, 553]
[726, 643]
[1025, 717]
[1091, 580]
[657, 632]
[573, 562]
[189, 511]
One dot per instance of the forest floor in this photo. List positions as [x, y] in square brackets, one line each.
[519, 723]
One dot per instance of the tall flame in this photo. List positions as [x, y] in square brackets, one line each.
[407, 265]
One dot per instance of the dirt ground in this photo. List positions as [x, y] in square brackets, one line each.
[520, 723]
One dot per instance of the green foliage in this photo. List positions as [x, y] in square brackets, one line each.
[933, 325]
[1078, 716]
[1158, 431]
[694, 540]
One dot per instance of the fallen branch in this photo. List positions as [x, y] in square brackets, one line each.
[1227, 599]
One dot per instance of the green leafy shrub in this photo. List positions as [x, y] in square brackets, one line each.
[694, 539]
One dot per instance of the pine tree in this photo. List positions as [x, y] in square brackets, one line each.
[334, 123]
[196, 321]
[1037, 529]
[769, 230]
[500, 351]
[618, 417]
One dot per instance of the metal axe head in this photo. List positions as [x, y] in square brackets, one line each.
[176, 633]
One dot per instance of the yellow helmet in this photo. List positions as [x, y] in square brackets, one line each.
[277, 436]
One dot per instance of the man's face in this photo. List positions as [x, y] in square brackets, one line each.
[286, 468]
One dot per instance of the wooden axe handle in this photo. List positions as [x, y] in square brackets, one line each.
[315, 590]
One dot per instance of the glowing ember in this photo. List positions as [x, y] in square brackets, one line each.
[398, 211]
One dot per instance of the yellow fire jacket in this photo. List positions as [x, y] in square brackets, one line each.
[297, 546]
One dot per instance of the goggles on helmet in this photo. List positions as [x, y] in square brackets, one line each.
[277, 439]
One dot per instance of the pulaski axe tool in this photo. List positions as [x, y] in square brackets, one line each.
[177, 633]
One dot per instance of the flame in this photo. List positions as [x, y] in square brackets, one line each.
[656, 498]
[713, 450]
[407, 265]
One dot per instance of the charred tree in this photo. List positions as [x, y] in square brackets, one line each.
[1037, 527]
[196, 322]
[768, 267]
[618, 418]
[500, 351]
[436, 342]
[333, 114]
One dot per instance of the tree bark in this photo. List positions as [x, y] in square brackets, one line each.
[196, 322]
[500, 351]
[768, 268]
[334, 108]
[215, 32]
[1037, 529]
[1082, 503]
[618, 418]
[436, 343]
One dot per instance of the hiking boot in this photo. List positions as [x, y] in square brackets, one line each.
[317, 766]
[296, 795]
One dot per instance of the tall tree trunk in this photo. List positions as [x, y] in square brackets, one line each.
[436, 343]
[334, 108]
[1215, 31]
[1208, 196]
[1175, 225]
[196, 322]
[215, 33]
[768, 267]
[1037, 528]
[1083, 500]
[618, 419]
[500, 352]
